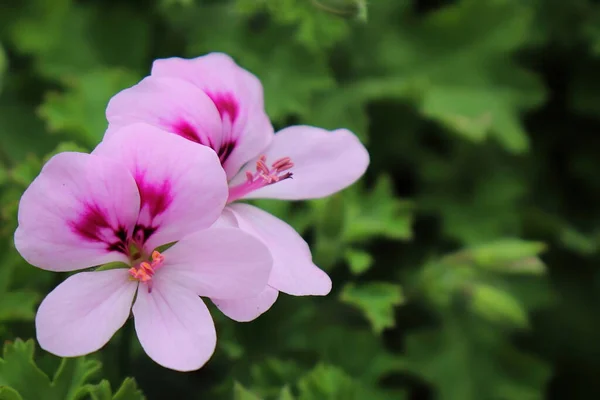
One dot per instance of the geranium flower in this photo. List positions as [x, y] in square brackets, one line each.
[211, 101]
[120, 204]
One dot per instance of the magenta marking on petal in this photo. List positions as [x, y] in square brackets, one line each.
[156, 198]
[225, 150]
[93, 225]
[121, 244]
[187, 131]
[92, 221]
[141, 233]
[226, 104]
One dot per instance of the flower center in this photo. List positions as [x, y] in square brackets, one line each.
[263, 176]
[145, 270]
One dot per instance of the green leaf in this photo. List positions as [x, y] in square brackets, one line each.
[368, 349]
[270, 375]
[15, 305]
[68, 39]
[289, 82]
[103, 391]
[23, 134]
[286, 394]
[478, 193]
[457, 62]
[358, 261]
[18, 370]
[241, 393]
[7, 393]
[330, 217]
[468, 360]
[284, 95]
[18, 305]
[314, 30]
[327, 382]
[79, 111]
[498, 306]
[504, 255]
[129, 391]
[376, 300]
[376, 212]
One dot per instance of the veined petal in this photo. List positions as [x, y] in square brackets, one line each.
[248, 309]
[81, 314]
[224, 263]
[77, 213]
[324, 163]
[171, 104]
[182, 185]
[293, 270]
[174, 326]
[238, 95]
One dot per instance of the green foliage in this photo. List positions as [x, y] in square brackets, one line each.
[464, 264]
[15, 305]
[65, 112]
[376, 300]
[2, 64]
[241, 393]
[7, 393]
[24, 380]
[467, 360]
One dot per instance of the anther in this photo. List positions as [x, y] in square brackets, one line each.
[283, 164]
[262, 177]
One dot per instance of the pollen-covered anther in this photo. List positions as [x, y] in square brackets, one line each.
[283, 164]
[272, 175]
[263, 176]
[144, 271]
[157, 258]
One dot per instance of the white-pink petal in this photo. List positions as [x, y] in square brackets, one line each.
[182, 185]
[174, 326]
[293, 270]
[248, 309]
[81, 314]
[69, 215]
[238, 95]
[225, 263]
[325, 162]
[168, 103]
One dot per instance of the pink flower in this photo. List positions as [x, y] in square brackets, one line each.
[212, 101]
[133, 194]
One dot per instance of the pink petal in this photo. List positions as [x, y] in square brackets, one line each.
[174, 326]
[293, 270]
[248, 309]
[227, 219]
[81, 314]
[182, 185]
[324, 163]
[225, 263]
[238, 95]
[76, 212]
[171, 104]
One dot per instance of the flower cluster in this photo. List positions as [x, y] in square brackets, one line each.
[155, 214]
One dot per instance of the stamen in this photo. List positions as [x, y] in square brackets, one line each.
[283, 164]
[262, 177]
[145, 270]
[157, 257]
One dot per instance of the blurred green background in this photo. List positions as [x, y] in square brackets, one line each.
[465, 264]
